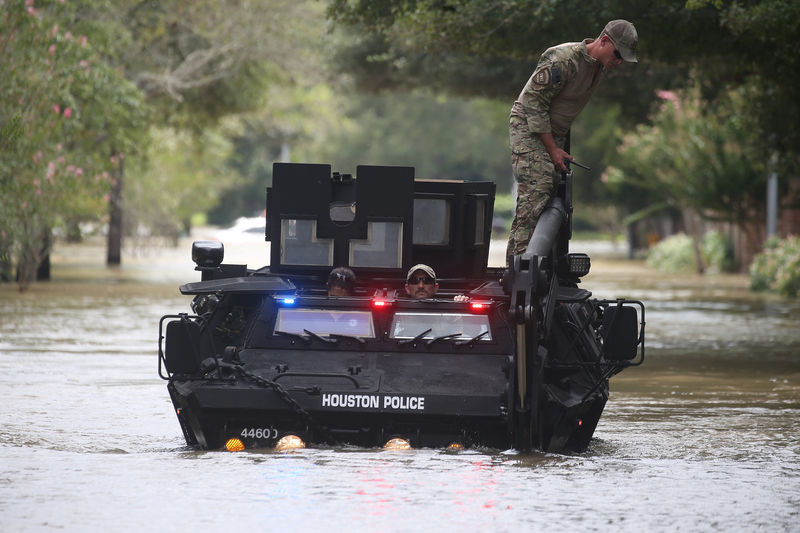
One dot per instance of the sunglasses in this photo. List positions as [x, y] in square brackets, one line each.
[617, 54]
[427, 280]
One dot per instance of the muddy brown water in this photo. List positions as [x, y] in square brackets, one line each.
[704, 436]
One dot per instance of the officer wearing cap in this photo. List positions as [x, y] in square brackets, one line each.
[421, 282]
[565, 78]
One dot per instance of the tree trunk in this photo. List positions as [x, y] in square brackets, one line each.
[694, 224]
[5, 260]
[43, 270]
[114, 247]
[74, 234]
[750, 243]
[29, 262]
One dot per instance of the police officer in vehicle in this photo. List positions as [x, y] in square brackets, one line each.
[421, 283]
[341, 282]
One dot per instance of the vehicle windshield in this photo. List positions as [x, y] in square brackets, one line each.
[407, 325]
[325, 322]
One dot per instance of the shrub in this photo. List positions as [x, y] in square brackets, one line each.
[673, 254]
[676, 253]
[717, 250]
[777, 268]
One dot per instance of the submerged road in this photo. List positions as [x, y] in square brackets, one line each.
[705, 436]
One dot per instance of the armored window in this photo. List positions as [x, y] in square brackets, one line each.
[342, 212]
[383, 247]
[325, 322]
[407, 325]
[431, 221]
[480, 221]
[300, 245]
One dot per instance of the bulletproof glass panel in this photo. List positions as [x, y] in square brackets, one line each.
[480, 220]
[300, 245]
[383, 247]
[325, 322]
[342, 211]
[431, 221]
[407, 325]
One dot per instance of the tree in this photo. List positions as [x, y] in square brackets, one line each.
[699, 157]
[416, 130]
[183, 67]
[56, 89]
[175, 164]
[483, 46]
[200, 62]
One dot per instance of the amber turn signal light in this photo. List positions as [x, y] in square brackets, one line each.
[234, 445]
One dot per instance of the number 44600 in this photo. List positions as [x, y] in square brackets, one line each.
[260, 433]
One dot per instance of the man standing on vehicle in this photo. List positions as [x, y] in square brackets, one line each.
[563, 82]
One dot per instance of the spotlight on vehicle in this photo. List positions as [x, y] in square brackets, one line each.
[579, 264]
[289, 442]
[455, 447]
[207, 254]
[234, 445]
[397, 444]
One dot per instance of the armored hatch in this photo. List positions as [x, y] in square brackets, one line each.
[379, 223]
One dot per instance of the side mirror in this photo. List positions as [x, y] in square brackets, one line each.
[620, 333]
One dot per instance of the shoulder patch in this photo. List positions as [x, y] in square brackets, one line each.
[542, 76]
[556, 76]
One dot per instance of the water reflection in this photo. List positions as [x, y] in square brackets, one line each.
[704, 436]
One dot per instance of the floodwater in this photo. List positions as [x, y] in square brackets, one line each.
[704, 436]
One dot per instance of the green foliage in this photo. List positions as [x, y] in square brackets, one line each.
[677, 253]
[59, 103]
[440, 137]
[291, 122]
[488, 48]
[777, 268]
[697, 155]
[187, 171]
[673, 254]
[504, 205]
[84, 79]
[717, 251]
[202, 62]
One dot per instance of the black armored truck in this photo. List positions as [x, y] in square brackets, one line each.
[523, 362]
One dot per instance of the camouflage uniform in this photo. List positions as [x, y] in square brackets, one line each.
[564, 80]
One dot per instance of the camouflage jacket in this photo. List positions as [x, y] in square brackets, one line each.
[563, 82]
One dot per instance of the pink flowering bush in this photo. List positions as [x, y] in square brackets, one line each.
[698, 156]
[55, 121]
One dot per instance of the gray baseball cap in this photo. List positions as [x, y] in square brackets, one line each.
[624, 36]
[425, 268]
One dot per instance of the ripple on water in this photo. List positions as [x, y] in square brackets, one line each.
[705, 435]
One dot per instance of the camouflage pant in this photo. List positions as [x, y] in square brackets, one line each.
[537, 179]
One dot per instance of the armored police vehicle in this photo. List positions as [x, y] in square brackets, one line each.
[268, 354]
